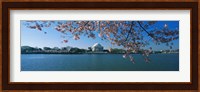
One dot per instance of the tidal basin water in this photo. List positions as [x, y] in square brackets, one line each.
[97, 62]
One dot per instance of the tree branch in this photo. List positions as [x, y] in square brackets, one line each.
[146, 31]
[99, 26]
[86, 23]
[129, 31]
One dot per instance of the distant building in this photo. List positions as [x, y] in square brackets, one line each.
[97, 47]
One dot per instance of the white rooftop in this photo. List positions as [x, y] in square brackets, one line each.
[97, 45]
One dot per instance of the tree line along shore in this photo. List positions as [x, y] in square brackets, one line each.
[75, 50]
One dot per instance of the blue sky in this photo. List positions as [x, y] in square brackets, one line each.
[36, 38]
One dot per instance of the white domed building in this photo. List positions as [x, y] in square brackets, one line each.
[97, 47]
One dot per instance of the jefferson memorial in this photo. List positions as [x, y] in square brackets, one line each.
[97, 47]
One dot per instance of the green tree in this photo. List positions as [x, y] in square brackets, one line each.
[46, 48]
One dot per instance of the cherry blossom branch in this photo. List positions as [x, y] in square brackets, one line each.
[86, 23]
[129, 30]
[99, 26]
[146, 30]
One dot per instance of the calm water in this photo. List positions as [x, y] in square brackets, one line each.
[97, 62]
